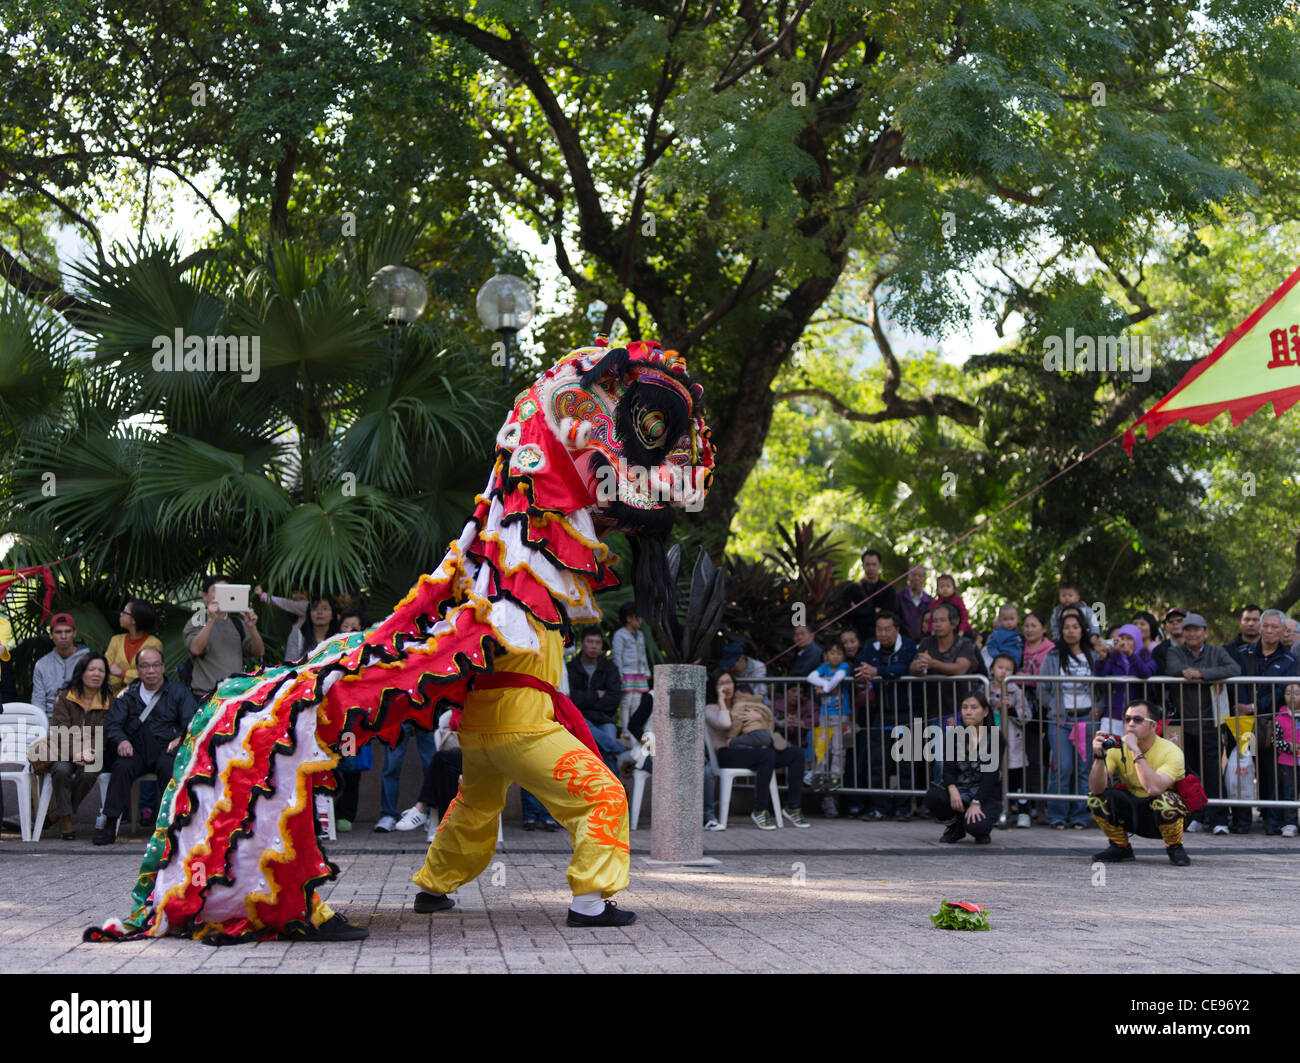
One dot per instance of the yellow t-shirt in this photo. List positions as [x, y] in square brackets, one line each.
[6, 638]
[518, 710]
[1163, 756]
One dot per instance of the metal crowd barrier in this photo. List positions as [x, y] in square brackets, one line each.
[880, 747]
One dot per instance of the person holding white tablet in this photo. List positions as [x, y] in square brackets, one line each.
[219, 644]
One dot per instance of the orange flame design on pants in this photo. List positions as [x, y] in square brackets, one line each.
[585, 775]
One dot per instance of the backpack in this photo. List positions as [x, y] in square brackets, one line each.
[185, 670]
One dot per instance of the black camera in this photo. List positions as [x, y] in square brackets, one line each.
[1109, 744]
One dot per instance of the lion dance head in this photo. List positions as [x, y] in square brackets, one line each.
[620, 431]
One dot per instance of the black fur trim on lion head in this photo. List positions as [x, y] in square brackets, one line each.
[614, 361]
[646, 399]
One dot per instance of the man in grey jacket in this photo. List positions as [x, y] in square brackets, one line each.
[1191, 705]
[53, 671]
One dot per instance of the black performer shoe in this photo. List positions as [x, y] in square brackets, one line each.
[1178, 855]
[955, 832]
[335, 928]
[1115, 854]
[107, 835]
[432, 902]
[611, 916]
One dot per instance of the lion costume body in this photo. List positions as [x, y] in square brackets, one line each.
[606, 439]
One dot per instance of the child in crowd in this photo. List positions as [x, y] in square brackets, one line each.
[633, 668]
[1127, 656]
[1006, 637]
[1009, 700]
[834, 721]
[1068, 596]
[1286, 737]
[946, 589]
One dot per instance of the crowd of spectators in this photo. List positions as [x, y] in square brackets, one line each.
[1075, 677]
[905, 656]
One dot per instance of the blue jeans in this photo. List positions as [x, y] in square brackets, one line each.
[1069, 773]
[606, 736]
[533, 808]
[392, 777]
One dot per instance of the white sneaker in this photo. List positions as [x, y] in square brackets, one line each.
[412, 819]
[1193, 827]
[713, 824]
[1220, 829]
[1289, 831]
[385, 824]
[1022, 820]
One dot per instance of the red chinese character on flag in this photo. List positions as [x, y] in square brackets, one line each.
[1281, 354]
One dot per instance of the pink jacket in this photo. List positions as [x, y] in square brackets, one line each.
[1286, 736]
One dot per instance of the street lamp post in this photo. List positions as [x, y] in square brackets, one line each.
[401, 294]
[505, 305]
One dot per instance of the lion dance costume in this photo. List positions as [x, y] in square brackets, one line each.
[607, 439]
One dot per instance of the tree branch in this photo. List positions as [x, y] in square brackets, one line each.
[739, 294]
[1291, 592]
[515, 160]
[897, 410]
[1144, 308]
[75, 311]
[754, 60]
[512, 53]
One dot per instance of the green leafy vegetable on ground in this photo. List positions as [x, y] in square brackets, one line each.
[960, 915]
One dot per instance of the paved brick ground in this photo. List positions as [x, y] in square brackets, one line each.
[840, 897]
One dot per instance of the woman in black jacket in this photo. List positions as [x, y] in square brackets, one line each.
[970, 794]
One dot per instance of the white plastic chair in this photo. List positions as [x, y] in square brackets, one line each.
[727, 779]
[18, 709]
[639, 777]
[17, 733]
[32, 714]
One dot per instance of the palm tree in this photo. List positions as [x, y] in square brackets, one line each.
[343, 464]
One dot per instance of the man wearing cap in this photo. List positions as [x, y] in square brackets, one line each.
[1131, 789]
[1173, 627]
[1267, 657]
[1200, 665]
[53, 671]
[744, 669]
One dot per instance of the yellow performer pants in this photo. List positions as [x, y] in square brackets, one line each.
[565, 776]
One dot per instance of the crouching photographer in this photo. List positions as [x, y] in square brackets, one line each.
[1131, 787]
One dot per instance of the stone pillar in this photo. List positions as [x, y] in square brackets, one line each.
[677, 793]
